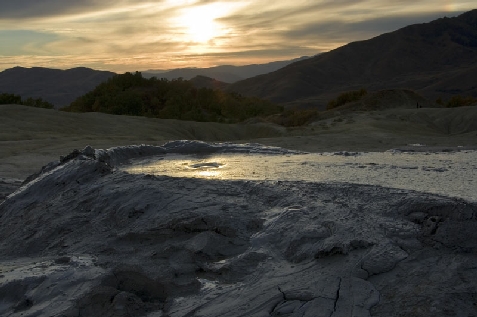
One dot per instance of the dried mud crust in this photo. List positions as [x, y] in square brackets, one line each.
[8, 186]
[141, 245]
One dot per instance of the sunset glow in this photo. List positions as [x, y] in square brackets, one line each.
[199, 23]
[165, 34]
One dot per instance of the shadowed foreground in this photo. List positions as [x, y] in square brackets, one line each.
[100, 242]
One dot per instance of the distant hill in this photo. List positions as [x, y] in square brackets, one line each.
[435, 59]
[207, 82]
[224, 73]
[59, 87]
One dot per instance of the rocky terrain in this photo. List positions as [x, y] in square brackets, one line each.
[96, 241]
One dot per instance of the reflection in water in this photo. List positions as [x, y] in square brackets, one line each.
[222, 166]
[180, 166]
[206, 169]
[453, 174]
[208, 174]
[206, 165]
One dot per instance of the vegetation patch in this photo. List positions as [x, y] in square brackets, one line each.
[6, 99]
[346, 97]
[131, 94]
[458, 101]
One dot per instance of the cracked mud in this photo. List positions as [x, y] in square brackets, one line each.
[86, 239]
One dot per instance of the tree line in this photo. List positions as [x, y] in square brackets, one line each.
[6, 98]
[131, 94]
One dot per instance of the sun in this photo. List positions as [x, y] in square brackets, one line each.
[199, 23]
[201, 27]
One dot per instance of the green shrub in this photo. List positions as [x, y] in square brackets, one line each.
[346, 97]
[15, 99]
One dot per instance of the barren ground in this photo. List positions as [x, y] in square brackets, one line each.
[31, 138]
[87, 239]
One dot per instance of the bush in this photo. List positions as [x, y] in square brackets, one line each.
[38, 103]
[6, 99]
[346, 97]
[15, 99]
[459, 101]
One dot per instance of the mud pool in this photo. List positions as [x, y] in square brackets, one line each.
[241, 230]
[444, 173]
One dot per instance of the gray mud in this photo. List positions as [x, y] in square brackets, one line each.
[444, 173]
[83, 238]
[8, 186]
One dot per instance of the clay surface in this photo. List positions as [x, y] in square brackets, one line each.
[85, 238]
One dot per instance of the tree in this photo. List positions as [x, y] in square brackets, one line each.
[15, 99]
[130, 94]
[10, 99]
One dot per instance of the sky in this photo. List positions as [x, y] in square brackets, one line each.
[138, 35]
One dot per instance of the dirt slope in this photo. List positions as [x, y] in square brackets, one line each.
[31, 138]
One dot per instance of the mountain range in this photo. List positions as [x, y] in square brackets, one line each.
[59, 87]
[223, 73]
[436, 59]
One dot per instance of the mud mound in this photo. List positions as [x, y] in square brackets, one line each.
[84, 239]
[446, 121]
[456, 120]
[390, 99]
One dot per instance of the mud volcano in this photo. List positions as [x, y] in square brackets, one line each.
[85, 238]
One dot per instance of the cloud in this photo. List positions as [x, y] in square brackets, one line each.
[347, 31]
[19, 9]
[39, 8]
[124, 34]
[23, 41]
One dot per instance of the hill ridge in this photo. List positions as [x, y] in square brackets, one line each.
[57, 86]
[416, 57]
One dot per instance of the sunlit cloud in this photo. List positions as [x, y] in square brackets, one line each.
[126, 35]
